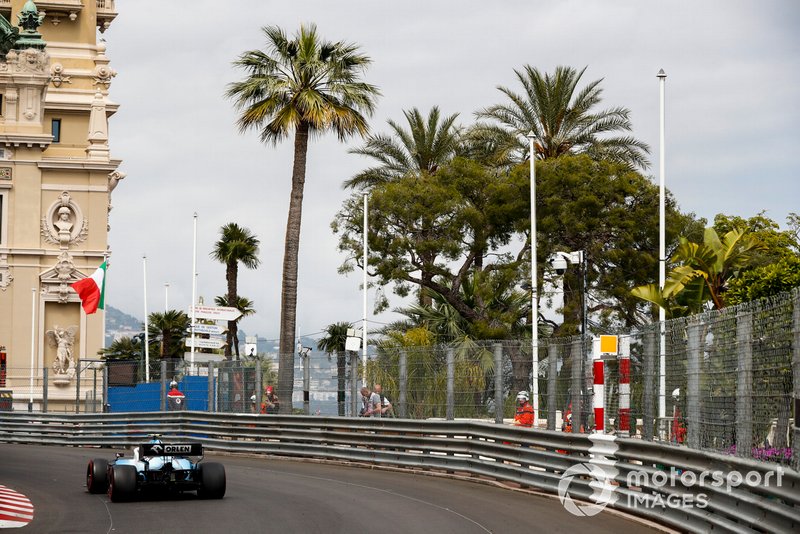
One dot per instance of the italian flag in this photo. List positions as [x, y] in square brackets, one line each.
[92, 290]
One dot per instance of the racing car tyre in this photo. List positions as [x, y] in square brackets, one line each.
[97, 476]
[122, 484]
[212, 481]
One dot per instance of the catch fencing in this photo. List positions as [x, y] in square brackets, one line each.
[725, 381]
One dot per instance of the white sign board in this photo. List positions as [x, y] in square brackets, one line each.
[215, 313]
[210, 343]
[352, 343]
[211, 329]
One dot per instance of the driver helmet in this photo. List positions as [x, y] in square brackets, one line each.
[173, 384]
[522, 396]
[269, 390]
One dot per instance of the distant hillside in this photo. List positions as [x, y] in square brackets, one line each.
[120, 324]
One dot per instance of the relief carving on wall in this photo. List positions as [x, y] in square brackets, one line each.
[63, 340]
[64, 224]
[58, 76]
[5, 273]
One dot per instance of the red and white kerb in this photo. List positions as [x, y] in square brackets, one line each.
[15, 508]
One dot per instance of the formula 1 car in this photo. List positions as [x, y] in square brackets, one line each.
[157, 466]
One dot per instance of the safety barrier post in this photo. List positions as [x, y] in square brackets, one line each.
[163, 386]
[498, 383]
[306, 383]
[694, 331]
[44, 389]
[624, 416]
[403, 395]
[796, 365]
[744, 385]
[451, 374]
[598, 368]
[552, 374]
[354, 383]
[576, 389]
[648, 399]
[211, 383]
[78, 388]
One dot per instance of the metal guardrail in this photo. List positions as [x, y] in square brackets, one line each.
[531, 458]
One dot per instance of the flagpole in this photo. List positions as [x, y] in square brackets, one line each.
[364, 332]
[105, 275]
[146, 334]
[194, 287]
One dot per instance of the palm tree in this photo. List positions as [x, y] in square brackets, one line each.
[702, 273]
[334, 341]
[307, 86]
[168, 329]
[244, 305]
[420, 150]
[236, 245]
[562, 119]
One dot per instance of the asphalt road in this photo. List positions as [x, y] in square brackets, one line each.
[268, 495]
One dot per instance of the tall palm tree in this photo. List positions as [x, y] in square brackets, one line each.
[334, 341]
[308, 86]
[421, 149]
[562, 119]
[244, 305]
[236, 245]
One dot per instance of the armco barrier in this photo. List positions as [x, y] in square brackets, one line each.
[643, 478]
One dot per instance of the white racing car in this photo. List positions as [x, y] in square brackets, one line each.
[157, 466]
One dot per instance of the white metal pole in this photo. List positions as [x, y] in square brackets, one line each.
[662, 252]
[534, 294]
[146, 334]
[105, 280]
[166, 297]
[33, 344]
[194, 288]
[364, 324]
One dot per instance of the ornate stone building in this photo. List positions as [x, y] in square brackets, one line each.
[56, 178]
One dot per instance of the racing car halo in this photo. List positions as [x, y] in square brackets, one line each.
[157, 466]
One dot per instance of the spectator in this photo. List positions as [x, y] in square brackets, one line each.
[271, 402]
[524, 416]
[371, 403]
[386, 406]
[176, 400]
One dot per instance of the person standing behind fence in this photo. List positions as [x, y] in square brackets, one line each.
[371, 403]
[271, 402]
[386, 406]
[176, 400]
[524, 416]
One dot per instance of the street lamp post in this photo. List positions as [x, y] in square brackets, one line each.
[534, 295]
[559, 262]
[662, 252]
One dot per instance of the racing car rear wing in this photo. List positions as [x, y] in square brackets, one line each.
[171, 449]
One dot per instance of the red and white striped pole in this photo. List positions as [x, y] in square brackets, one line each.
[598, 368]
[624, 428]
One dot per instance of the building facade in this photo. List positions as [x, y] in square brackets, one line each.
[56, 179]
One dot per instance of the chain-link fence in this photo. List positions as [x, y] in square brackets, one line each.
[720, 381]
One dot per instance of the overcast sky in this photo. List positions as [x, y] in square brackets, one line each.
[732, 121]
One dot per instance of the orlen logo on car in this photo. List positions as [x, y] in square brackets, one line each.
[177, 449]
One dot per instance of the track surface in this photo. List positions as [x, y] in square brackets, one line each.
[267, 495]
